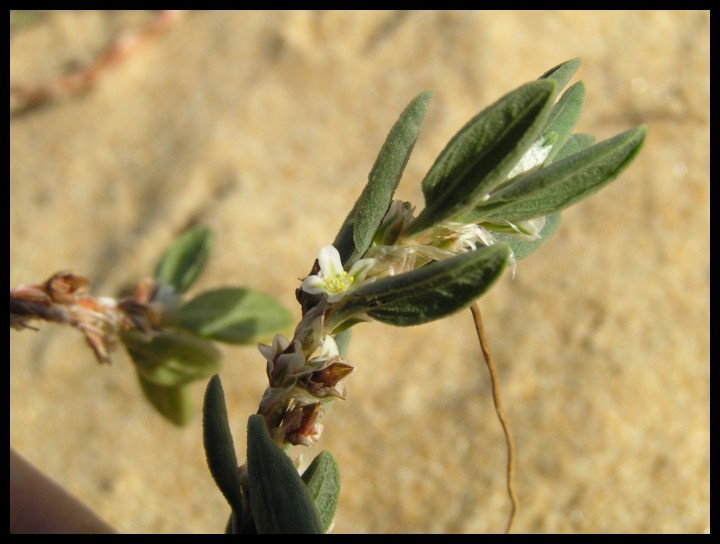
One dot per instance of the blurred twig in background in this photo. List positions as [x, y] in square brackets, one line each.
[25, 97]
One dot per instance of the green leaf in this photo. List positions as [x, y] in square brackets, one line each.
[219, 446]
[172, 358]
[562, 73]
[280, 500]
[563, 117]
[322, 478]
[174, 403]
[575, 144]
[564, 182]
[369, 210]
[234, 315]
[480, 156]
[524, 248]
[185, 260]
[428, 293]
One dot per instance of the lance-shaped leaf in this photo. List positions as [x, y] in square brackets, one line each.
[322, 478]
[563, 117]
[564, 182]
[562, 73]
[482, 154]
[219, 446]
[524, 248]
[172, 358]
[428, 293]
[185, 260]
[280, 500]
[174, 402]
[357, 232]
[232, 314]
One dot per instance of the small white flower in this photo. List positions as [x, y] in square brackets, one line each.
[332, 279]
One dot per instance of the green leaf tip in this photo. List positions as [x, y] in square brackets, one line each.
[322, 478]
[185, 259]
[280, 500]
[562, 73]
[563, 117]
[219, 445]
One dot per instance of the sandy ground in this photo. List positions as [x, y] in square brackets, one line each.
[263, 126]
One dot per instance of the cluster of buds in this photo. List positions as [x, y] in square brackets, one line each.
[306, 373]
[65, 299]
[299, 387]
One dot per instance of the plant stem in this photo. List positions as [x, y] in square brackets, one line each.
[500, 410]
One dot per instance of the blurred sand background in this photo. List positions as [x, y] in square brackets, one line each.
[264, 126]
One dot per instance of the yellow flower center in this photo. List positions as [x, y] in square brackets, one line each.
[339, 284]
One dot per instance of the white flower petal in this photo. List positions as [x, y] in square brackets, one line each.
[314, 285]
[360, 269]
[330, 263]
[332, 279]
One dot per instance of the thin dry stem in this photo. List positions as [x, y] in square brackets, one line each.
[29, 96]
[500, 410]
